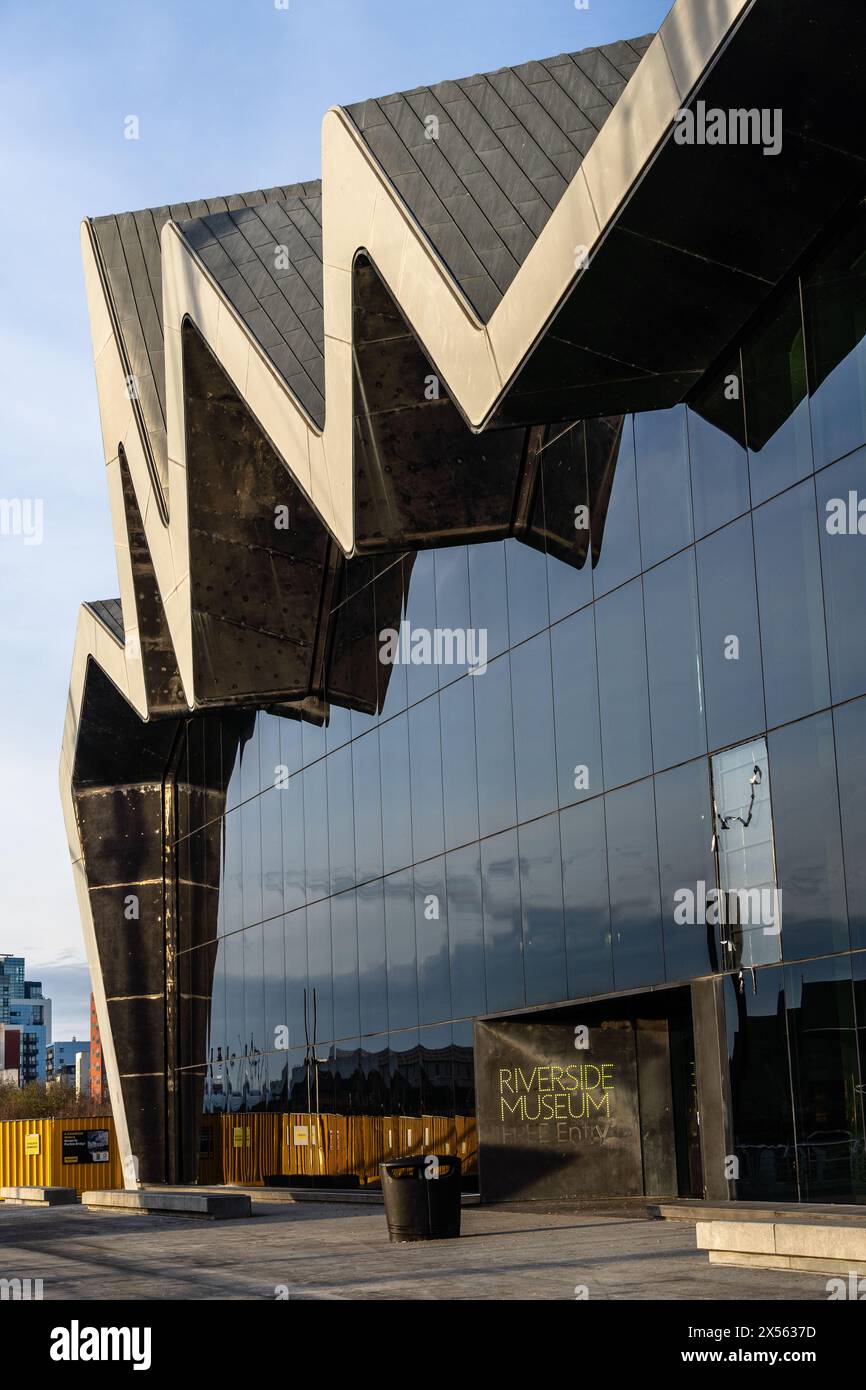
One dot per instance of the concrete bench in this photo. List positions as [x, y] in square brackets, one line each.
[219, 1206]
[829, 1249]
[39, 1196]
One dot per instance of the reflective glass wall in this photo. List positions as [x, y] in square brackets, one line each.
[572, 730]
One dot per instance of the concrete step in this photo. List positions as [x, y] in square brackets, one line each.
[694, 1209]
[829, 1248]
[219, 1206]
[39, 1196]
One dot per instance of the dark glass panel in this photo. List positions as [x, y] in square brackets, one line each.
[270, 808]
[843, 560]
[269, 748]
[789, 597]
[613, 490]
[809, 863]
[402, 962]
[622, 683]
[251, 837]
[396, 800]
[300, 1090]
[405, 1061]
[503, 932]
[459, 770]
[777, 411]
[452, 592]
[217, 1029]
[249, 758]
[393, 688]
[526, 571]
[748, 928]
[234, 976]
[494, 742]
[425, 761]
[291, 752]
[730, 637]
[341, 820]
[465, 932]
[295, 945]
[316, 831]
[534, 756]
[717, 450]
[421, 614]
[834, 302]
[437, 1070]
[320, 996]
[367, 798]
[673, 642]
[275, 983]
[431, 939]
[825, 1070]
[233, 788]
[664, 495]
[850, 726]
[233, 872]
[566, 512]
[762, 1118]
[294, 863]
[685, 834]
[575, 704]
[347, 1080]
[371, 958]
[633, 866]
[858, 969]
[344, 942]
[338, 729]
[376, 1079]
[543, 924]
[314, 742]
[488, 594]
[464, 1070]
[586, 899]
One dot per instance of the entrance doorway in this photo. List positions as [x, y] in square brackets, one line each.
[594, 1100]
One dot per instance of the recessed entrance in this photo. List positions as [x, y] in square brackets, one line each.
[590, 1100]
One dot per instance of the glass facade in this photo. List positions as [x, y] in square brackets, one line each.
[677, 704]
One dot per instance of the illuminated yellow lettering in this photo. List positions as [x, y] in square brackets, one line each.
[602, 1104]
[577, 1114]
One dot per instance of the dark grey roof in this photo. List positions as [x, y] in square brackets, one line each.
[507, 145]
[267, 259]
[110, 614]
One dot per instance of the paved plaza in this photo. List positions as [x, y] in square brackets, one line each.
[340, 1251]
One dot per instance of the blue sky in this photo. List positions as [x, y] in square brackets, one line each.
[229, 95]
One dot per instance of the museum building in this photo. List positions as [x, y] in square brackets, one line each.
[475, 758]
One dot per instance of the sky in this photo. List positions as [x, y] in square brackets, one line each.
[229, 96]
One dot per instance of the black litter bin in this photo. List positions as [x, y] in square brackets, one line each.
[422, 1197]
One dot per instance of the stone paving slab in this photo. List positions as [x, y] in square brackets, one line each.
[338, 1252]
